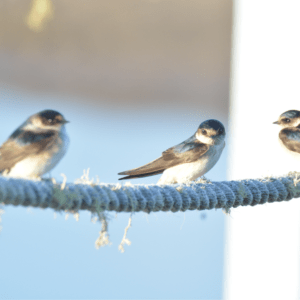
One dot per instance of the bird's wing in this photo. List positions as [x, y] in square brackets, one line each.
[188, 151]
[23, 143]
[290, 137]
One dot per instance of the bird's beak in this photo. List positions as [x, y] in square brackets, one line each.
[65, 121]
[276, 122]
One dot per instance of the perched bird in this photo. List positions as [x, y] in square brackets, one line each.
[36, 146]
[187, 161]
[289, 135]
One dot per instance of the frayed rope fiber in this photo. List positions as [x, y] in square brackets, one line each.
[98, 197]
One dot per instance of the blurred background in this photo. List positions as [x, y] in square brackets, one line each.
[133, 78]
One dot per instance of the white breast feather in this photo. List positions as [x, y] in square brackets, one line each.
[37, 165]
[188, 172]
[296, 155]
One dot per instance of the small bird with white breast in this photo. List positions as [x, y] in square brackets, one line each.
[289, 135]
[189, 160]
[35, 147]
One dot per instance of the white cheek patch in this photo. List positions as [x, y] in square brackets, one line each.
[204, 139]
[55, 128]
[29, 126]
[32, 127]
[296, 123]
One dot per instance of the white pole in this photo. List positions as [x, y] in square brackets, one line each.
[262, 243]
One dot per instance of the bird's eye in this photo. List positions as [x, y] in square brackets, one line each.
[204, 131]
[220, 131]
[286, 120]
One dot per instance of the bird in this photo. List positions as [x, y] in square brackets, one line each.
[35, 147]
[188, 160]
[289, 135]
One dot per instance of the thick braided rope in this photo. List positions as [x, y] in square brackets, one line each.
[199, 195]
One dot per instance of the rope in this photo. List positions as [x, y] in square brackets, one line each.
[100, 197]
